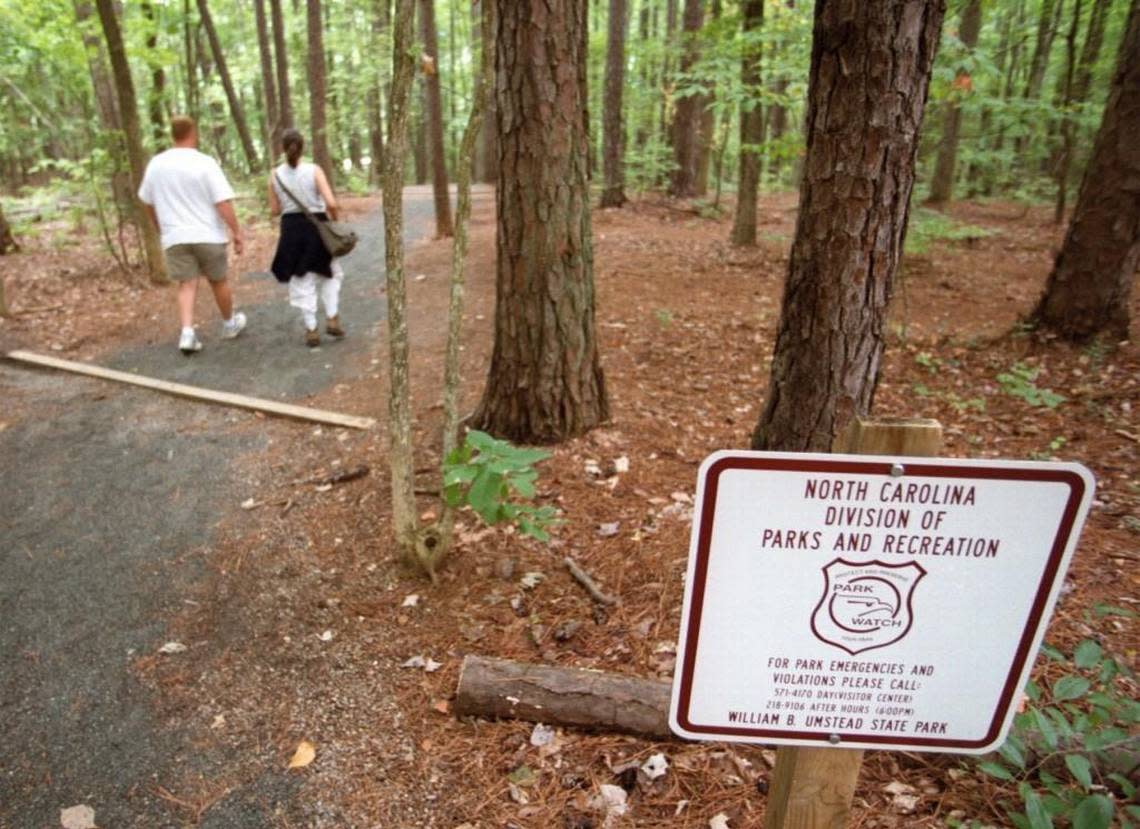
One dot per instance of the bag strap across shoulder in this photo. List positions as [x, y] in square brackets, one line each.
[304, 208]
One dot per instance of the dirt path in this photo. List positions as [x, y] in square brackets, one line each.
[108, 495]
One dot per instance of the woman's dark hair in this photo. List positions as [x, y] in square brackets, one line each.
[292, 143]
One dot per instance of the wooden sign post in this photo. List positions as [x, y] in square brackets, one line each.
[812, 788]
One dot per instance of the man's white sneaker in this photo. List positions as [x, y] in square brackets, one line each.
[234, 326]
[189, 343]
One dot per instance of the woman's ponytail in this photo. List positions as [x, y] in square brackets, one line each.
[292, 143]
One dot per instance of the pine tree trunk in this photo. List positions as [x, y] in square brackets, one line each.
[613, 162]
[227, 84]
[687, 112]
[434, 100]
[285, 99]
[488, 152]
[318, 89]
[751, 129]
[545, 382]
[870, 70]
[268, 82]
[419, 142]
[132, 134]
[1047, 23]
[1089, 289]
[942, 185]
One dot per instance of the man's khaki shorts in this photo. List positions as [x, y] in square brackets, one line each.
[186, 262]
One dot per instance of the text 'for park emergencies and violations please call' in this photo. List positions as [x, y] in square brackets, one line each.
[870, 602]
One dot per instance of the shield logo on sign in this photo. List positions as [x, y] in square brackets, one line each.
[865, 604]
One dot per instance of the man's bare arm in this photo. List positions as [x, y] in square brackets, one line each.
[226, 211]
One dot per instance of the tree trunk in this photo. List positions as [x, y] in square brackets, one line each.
[545, 382]
[404, 520]
[189, 42]
[1077, 86]
[1065, 102]
[751, 128]
[227, 85]
[318, 89]
[687, 112]
[434, 100]
[487, 165]
[707, 139]
[419, 141]
[375, 101]
[942, 185]
[1089, 290]
[870, 70]
[1047, 23]
[268, 83]
[156, 99]
[285, 99]
[132, 135]
[613, 161]
[7, 240]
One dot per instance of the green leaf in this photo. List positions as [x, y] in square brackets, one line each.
[459, 475]
[1048, 732]
[484, 495]
[1094, 812]
[1127, 787]
[1011, 752]
[1081, 769]
[1087, 654]
[1070, 687]
[1036, 812]
[1053, 653]
[481, 440]
[523, 485]
[995, 770]
[1104, 738]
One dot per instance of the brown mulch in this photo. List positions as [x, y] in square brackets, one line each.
[307, 617]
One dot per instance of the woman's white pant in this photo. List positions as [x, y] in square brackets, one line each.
[303, 292]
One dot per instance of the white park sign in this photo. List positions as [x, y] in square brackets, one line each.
[869, 602]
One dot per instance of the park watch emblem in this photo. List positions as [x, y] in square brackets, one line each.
[865, 604]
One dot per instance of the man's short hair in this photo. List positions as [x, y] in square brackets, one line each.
[181, 127]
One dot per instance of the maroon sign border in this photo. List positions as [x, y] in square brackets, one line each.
[914, 468]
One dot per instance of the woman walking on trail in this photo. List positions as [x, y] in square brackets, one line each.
[302, 259]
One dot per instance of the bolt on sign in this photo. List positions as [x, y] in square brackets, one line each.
[869, 602]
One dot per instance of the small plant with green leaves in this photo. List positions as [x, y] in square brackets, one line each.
[1021, 381]
[928, 361]
[1070, 752]
[664, 316]
[1055, 445]
[930, 226]
[486, 474]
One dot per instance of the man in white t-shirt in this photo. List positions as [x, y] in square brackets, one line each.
[191, 203]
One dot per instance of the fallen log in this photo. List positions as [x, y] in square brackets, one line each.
[502, 688]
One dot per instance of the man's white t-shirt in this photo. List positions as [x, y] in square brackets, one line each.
[184, 186]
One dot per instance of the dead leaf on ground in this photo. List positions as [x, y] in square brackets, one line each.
[77, 817]
[306, 752]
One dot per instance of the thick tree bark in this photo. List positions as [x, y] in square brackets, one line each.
[7, 240]
[545, 382]
[434, 99]
[751, 129]
[227, 84]
[132, 135]
[268, 82]
[687, 111]
[318, 89]
[285, 99]
[942, 184]
[420, 166]
[575, 697]
[870, 70]
[613, 161]
[1089, 290]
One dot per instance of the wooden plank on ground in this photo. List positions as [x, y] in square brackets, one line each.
[224, 398]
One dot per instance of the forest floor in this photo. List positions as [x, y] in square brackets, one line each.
[297, 616]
